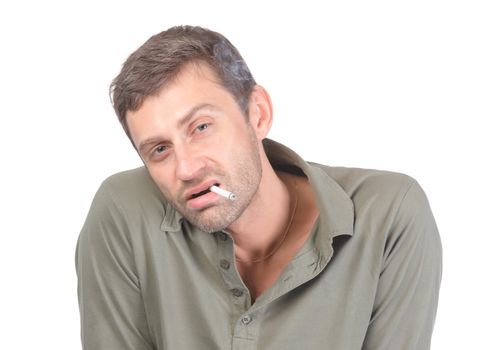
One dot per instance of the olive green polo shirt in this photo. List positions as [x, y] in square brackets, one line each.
[367, 277]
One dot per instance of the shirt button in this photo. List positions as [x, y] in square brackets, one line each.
[223, 236]
[225, 264]
[246, 319]
[237, 292]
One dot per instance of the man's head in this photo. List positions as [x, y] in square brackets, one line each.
[196, 122]
[160, 59]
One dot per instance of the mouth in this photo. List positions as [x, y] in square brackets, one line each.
[201, 197]
[202, 191]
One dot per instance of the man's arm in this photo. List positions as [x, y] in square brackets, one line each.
[111, 307]
[407, 293]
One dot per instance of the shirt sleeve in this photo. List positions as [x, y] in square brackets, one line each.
[408, 288]
[111, 306]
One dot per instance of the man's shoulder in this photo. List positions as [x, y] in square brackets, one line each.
[131, 182]
[132, 189]
[361, 183]
[383, 198]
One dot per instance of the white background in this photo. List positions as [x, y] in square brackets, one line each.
[375, 84]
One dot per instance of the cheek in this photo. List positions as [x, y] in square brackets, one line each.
[224, 157]
[242, 145]
[234, 141]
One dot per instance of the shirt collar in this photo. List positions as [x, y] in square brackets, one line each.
[335, 206]
[336, 211]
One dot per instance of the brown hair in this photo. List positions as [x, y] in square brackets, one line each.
[160, 59]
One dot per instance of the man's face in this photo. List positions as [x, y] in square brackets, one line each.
[194, 135]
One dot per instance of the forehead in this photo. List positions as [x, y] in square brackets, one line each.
[195, 85]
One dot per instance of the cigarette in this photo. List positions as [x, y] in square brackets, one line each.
[227, 194]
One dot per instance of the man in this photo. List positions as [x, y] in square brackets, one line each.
[303, 256]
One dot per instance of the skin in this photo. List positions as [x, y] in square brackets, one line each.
[193, 133]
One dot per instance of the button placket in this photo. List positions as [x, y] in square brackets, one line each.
[230, 275]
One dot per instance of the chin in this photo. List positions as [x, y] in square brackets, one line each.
[211, 219]
[208, 226]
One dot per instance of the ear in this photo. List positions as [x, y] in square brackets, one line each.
[260, 112]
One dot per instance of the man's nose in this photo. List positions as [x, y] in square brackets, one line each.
[188, 166]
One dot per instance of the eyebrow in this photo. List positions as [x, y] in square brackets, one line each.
[180, 123]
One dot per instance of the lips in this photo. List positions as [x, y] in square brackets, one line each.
[200, 190]
[196, 195]
[200, 197]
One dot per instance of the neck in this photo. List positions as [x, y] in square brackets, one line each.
[255, 236]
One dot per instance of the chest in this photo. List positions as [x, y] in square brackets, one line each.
[294, 308]
[259, 276]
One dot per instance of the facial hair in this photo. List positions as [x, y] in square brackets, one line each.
[243, 180]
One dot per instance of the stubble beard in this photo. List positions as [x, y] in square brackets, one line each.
[247, 175]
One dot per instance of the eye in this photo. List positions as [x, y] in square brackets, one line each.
[202, 127]
[159, 152]
[159, 149]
